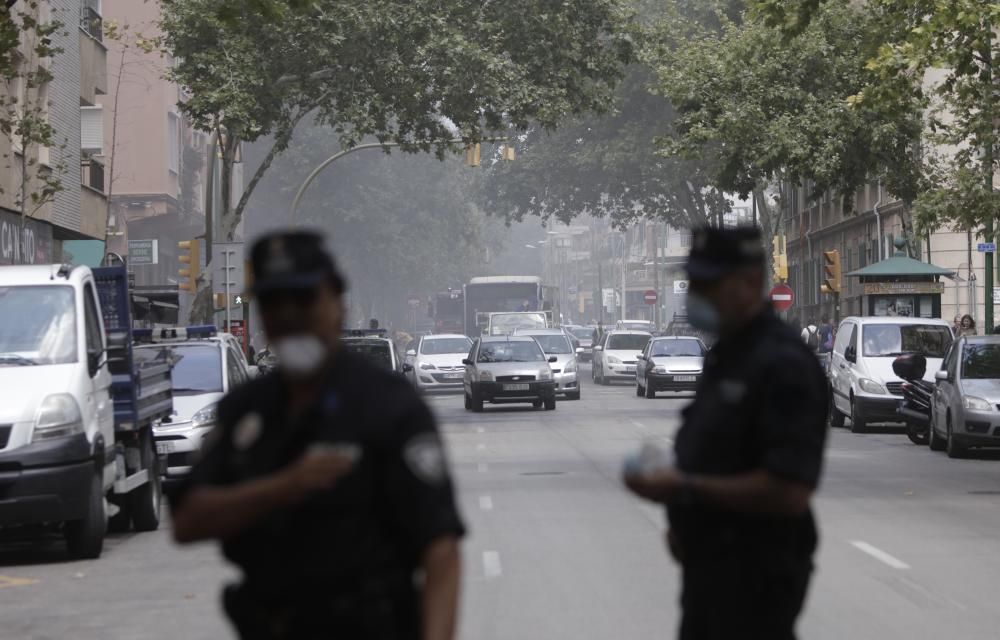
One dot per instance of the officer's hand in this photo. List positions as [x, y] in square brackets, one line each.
[316, 470]
[661, 485]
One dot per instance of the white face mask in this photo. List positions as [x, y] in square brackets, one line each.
[300, 355]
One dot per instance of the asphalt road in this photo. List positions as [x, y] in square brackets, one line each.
[910, 545]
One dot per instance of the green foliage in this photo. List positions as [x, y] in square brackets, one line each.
[26, 49]
[405, 72]
[764, 108]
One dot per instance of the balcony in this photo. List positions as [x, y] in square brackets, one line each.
[91, 21]
[92, 174]
[93, 56]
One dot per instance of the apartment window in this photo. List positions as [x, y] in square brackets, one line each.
[92, 130]
[174, 142]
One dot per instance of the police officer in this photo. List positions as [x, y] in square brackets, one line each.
[748, 455]
[325, 480]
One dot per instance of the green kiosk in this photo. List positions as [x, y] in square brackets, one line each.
[901, 286]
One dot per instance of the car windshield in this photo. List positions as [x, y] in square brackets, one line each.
[671, 348]
[39, 325]
[583, 333]
[520, 351]
[441, 346]
[376, 351]
[554, 344]
[627, 341]
[892, 340]
[981, 362]
[196, 368]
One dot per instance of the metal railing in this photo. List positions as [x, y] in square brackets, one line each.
[91, 21]
[92, 174]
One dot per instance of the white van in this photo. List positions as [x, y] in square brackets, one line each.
[865, 389]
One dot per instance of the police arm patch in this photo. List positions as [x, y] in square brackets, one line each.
[424, 456]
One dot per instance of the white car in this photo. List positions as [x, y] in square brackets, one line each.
[615, 355]
[672, 363]
[205, 367]
[436, 362]
[865, 388]
[565, 370]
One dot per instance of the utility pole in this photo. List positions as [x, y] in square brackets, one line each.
[624, 273]
[656, 274]
[988, 168]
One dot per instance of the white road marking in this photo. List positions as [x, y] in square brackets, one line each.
[486, 503]
[880, 555]
[491, 564]
[483, 467]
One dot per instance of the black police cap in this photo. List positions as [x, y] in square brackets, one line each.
[290, 261]
[717, 252]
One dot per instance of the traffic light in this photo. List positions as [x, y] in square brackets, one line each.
[191, 265]
[473, 154]
[831, 272]
[780, 260]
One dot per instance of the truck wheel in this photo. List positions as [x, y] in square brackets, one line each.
[857, 419]
[85, 537]
[144, 502]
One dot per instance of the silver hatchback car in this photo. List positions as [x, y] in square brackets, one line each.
[965, 409]
[504, 369]
[565, 370]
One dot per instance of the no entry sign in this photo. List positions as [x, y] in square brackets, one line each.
[650, 297]
[782, 297]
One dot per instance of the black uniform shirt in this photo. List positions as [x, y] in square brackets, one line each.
[372, 527]
[761, 404]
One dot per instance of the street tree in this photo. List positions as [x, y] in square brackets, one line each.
[410, 73]
[768, 108]
[31, 146]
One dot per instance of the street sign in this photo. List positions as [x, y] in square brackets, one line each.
[680, 287]
[782, 297]
[996, 295]
[571, 290]
[986, 247]
[650, 296]
[609, 299]
[143, 252]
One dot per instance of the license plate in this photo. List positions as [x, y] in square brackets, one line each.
[163, 448]
[454, 376]
[516, 387]
[629, 369]
[685, 378]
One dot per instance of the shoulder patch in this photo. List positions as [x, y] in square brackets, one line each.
[247, 431]
[424, 455]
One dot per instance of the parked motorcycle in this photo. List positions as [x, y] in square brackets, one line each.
[915, 407]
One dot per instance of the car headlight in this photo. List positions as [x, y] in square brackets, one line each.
[973, 403]
[870, 386]
[545, 374]
[614, 360]
[427, 366]
[660, 370]
[206, 417]
[571, 367]
[57, 417]
[486, 376]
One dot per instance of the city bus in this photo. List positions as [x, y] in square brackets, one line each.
[491, 294]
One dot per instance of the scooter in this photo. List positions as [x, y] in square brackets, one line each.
[915, 407]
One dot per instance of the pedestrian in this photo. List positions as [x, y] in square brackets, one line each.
[373, 324]
[810, 335]
[598, 332]
[956, 324]
[827, 333]
[747, 457]
[325, 481]
[967, 326]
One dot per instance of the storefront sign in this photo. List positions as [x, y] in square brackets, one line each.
[143, 252]
[30, 243]
[903, 288]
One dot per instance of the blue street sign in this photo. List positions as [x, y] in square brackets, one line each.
[986, 247]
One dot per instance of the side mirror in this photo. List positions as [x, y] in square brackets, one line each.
[598, 348]
[579, 349]
[407, 368]
[851, 354]
[94, 361]
[639, 356]
[941, 376]
[467, 362]
[553, 359]
[411, 353]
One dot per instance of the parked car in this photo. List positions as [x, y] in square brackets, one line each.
[964, 407]
[864, 386]
[614, 356]
[565, 370]
[669, 364]
[507, 369]
[435, 361]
